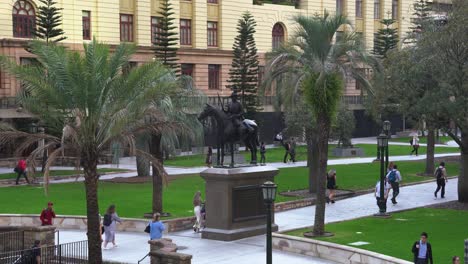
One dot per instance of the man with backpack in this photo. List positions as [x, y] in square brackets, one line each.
[441, 178]
[394, 178]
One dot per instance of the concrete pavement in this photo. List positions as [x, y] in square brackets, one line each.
[133, 246]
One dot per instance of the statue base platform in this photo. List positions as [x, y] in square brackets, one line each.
[234, 202]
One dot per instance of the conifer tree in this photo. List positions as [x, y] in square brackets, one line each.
[48, 22]
[243, 75]
[165, 40]
[386, 38]
[420, 20]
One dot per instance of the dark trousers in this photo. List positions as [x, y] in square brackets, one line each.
[262, 158]
[440, 187]
[415, 149]
[21, 173]
[396, 189]
[285, 160]
[421, 261]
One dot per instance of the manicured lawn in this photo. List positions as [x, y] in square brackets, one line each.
[395, 236]
[53, 173]
[277, 154]
[423, 140]
[133, 200]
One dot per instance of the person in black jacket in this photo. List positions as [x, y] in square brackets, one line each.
[422, 250]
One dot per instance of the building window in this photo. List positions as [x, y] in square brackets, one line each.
[376, 9]
[86, 18]
[340, 6]
[185, 32]
[395, 9]
[213, 1]
[359, 8]
[277, 35]
[24, 19]
[126, 28]
[213, 77]
[187, 69]
[155, 30]
[212, 34]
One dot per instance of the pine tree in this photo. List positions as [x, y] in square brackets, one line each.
[48, 22]
[386, 38]
[243, 75]
[420, 20]
[164, 48]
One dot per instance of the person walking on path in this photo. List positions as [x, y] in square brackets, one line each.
[156, 227]
[287, 148]
[197, 201]
[21, 170]
[415, 145]
[455, 260]
[390, 166]
[262, 153]
[292, 150]
[331, 186]
[209, 157]
[387, 188]
[394, 178]
[441, 178]
[422, 250]
[47, 215]
[110, 225]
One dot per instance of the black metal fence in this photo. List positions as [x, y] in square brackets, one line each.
[11, 241]
[70, 253]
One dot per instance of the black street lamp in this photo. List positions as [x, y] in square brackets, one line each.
[33, 128]
[387, 125]
[269, 195]
[382, 143]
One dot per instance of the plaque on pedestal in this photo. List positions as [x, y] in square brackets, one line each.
[234, 202]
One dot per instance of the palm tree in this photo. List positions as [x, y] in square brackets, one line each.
[91, 105]
[314, 66]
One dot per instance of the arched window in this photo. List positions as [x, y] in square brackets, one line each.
[24, 19]
[278, 35]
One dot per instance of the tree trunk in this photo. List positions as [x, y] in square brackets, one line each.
[143, 164]
[312, 159]
[463, 177]
[157, 177]
[430, 151]
[323, 124]
[92, 208]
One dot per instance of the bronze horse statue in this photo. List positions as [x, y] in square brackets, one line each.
[227, 133]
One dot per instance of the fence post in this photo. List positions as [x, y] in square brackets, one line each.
[466, 250]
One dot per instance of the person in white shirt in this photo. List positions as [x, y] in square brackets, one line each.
[415, 145]
[387, 188]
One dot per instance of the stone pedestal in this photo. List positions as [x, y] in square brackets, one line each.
[348, 152]
[234, 202]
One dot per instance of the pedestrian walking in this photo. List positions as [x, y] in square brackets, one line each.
[47, 215]
[292, 150]
[197, 201]
[394, 178]
[422, 250]
[33, 255]
[287, 147]
[441, 178]
[209, 157]
[156, 227]
[20, 169]
[455, 260]
[262, 153]
[110, 225]
[390, 166]
[331, 186]
[387, 188]
[415, 145]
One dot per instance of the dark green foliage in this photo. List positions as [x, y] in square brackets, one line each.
[48, 22]
[343, 127]
[386, 38]
[165, 49]
[421, 19]
[323, 97]
[243, 75]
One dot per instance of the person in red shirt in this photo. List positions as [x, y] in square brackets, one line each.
[47, 214]
[21, 170]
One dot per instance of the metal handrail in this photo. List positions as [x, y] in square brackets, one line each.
[144, 257]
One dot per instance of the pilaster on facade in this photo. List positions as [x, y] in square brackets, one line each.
[143, 23]
[368, 18]
[350, 13]
[107, 21]
[199, 24]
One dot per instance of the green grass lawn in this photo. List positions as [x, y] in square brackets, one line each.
[422, 140]
[395, 236]
[133, 200]
[277, 154]
[54, 173]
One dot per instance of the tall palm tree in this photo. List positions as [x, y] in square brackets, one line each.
[92, 105]
[316, 67]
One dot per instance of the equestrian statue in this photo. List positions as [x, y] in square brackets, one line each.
[232, 127]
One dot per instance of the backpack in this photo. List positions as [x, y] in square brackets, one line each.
[107, 220]
[392, 176]
[438, 173]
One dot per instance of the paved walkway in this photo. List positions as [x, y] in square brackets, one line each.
[133, 246]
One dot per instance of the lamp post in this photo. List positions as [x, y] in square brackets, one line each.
[382, 143]
[269, 195]
[33, 128]
[387, 125]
